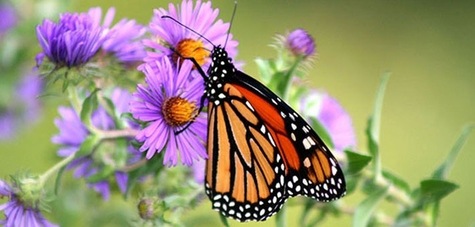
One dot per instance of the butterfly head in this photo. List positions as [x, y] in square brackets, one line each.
[220, 72]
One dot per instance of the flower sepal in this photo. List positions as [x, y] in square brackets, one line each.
[29, 190]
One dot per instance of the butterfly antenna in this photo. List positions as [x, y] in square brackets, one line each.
[178, 22]
[231, 23]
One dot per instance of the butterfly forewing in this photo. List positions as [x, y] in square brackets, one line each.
[260, 150]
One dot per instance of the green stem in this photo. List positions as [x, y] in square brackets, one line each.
[287, 81]
[46, 175]
[74, 99]
[113, 134]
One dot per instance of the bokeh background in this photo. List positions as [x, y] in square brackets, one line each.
[428, 46]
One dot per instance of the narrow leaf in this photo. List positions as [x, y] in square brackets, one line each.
[321, 131]
[365, 209]
[443, 170]
[224, 220]
[397, 181]
[264, 68]
[88, 106]
[88, 145]
[57, 182]
[374, 124]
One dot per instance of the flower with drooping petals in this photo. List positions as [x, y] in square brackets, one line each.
[124, 39]
[18, 213]
[169, 104]
[170, 38]
[73, 133]
[333, 118]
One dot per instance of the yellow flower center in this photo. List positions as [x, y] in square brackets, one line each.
[190, 48]
[178, 111]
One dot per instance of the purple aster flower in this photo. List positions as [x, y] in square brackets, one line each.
[201, 18]
[124, 41]
[74, 40]
[24, 107]
[300, 43]
[9, 17]
[333, 118]
[73, 133]
[168, 103]
[16, 212]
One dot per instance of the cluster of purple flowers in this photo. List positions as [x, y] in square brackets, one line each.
[168, 102]
[73, 133]
[77, 37]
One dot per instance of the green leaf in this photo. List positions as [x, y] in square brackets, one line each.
[264, 68]
[432, 191]
[281, 217]
[435, 189]
[374, 125]
[351, 183]
[321, 131]
[57, 182]
[443, 170]
[365, 209]
[356, 161]
[224, 220]
[109, 106]
[88, 106]
[88, 145]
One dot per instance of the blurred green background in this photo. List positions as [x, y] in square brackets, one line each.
[429, 46]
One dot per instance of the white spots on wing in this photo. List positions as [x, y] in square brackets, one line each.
[248, 104]
[306, 143]
[263, 129]
[334, 170]
[283, 114]
[292, 136]
[271, 140]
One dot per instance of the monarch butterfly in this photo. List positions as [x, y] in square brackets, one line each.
[260, 150]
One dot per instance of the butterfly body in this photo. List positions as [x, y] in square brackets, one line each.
[261, 152]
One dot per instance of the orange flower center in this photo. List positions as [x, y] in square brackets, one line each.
[178, 111]
[190, 48]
